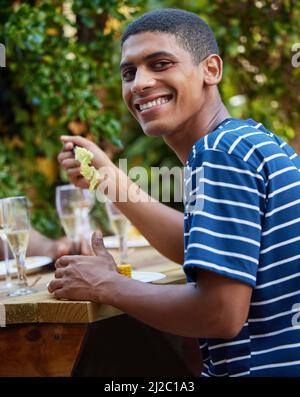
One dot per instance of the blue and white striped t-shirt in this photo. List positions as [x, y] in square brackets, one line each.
[242, 220]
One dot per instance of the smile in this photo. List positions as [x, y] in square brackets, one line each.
[151, 104]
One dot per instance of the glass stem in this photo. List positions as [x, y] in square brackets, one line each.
[6, 261]
[123, 249]
[22, 278]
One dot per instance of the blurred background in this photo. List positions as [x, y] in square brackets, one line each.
[62, 77]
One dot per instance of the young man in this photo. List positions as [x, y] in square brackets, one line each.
[241, 224]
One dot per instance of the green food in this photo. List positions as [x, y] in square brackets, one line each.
[88, 171]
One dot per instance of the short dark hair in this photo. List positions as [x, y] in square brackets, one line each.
[191, 32]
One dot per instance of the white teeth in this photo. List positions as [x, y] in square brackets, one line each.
[158, 101]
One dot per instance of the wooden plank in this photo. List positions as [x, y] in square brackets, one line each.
[74, 312]
[44, 308]
[40, 350]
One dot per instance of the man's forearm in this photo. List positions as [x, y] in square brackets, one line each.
[176, 309]
[161, 225]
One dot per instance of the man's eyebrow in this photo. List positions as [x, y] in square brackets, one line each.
[148, 57]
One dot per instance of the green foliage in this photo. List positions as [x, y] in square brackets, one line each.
[256, 45]
[60, 79]
[8, 181]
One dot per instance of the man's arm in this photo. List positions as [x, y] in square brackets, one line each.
[214, 307]
[161, 225]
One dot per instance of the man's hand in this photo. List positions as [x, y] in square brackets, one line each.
[84, 277]
[72, 166]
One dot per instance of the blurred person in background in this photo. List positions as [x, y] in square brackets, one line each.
[40, 245]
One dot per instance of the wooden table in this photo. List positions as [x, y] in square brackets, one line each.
[48, 337]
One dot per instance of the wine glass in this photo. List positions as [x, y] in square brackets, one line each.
[8, 281]
[83, 209]
[73, 206]
[16, 226]
[120, 225]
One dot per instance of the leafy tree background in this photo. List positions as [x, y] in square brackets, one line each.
[62, 77]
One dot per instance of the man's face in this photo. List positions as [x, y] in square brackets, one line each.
[161, 85]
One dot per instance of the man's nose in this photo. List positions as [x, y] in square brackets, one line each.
[142, 80]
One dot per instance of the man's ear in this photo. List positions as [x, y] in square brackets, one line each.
[213, 69]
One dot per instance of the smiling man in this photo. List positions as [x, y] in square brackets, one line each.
[239, 236]
[164, 90]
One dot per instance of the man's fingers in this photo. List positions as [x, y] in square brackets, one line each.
[65, 155]
[76, 140]
[61, 293]
[97, 243]
[70, 163]
[68, 146]
[74, 172]
[54, 285]
[64, 261]
[59, 273]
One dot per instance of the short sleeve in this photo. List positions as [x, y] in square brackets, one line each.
[224, 209]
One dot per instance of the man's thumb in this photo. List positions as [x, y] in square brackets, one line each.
[97, 243]
[76, 140]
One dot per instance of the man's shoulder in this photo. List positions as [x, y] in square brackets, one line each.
[230, 136]
[246, 140]
[223, 135]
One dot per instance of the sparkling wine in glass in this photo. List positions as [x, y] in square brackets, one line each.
[73, 206]
[120, 225]
[16, 226]
[8, 284]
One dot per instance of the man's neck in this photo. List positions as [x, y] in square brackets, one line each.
[208, 120]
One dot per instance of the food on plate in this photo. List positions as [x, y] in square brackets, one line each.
[125, 269]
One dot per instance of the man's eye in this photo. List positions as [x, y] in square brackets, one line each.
[161, 64]
[128, 75]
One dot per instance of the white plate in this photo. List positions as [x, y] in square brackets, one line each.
[33, 264]
[147, 277]
[113, 242]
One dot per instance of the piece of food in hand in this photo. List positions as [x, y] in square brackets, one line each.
[88, 171]
[125, 269]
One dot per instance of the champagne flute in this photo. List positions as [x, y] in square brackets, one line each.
[73, 206]
[120, 225]
[87, 203]
[8, 280]
[16, 227]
